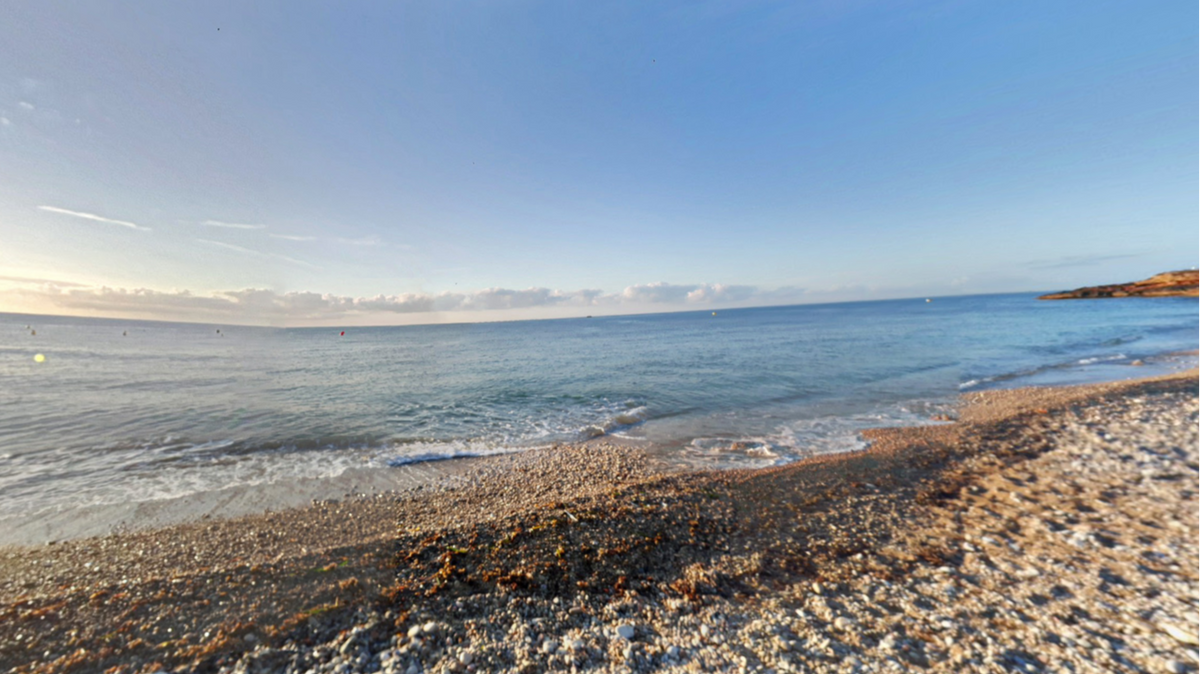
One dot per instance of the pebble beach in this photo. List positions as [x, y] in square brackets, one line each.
[1046, 529]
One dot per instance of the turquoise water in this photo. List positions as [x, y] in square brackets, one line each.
[129, 410]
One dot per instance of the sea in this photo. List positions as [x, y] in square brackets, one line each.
[104, 411]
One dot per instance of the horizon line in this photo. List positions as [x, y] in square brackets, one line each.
[520, 320]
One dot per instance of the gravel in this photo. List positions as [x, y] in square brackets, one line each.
[1048, 530]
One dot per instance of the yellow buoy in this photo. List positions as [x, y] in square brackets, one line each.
[714, 313]
[39, 358]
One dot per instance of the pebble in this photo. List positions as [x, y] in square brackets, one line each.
[1181, 635]
[626, 631]
[1175, 667]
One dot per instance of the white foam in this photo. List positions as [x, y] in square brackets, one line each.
[427, 452]
[631, 416]
[1102, 359]
[805, 438]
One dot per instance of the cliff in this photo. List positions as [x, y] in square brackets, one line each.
[1167, 284]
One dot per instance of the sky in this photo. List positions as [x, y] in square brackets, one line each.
[305, 163]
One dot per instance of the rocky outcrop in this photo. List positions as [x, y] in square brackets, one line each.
[1168, 284]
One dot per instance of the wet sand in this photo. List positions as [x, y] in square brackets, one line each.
[1047, 530]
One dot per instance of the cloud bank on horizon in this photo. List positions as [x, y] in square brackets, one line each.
[269, 307]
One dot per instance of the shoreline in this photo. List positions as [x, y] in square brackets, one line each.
[587, 540]
[250, 499]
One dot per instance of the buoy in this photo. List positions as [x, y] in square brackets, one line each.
[714, 313]
[928, 300]
[39, 358]
[343, 333]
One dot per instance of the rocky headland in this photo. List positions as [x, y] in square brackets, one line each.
[1168, 284]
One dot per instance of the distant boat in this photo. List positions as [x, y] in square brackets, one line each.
[928, 300]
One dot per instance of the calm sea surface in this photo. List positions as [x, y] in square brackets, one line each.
[128, 410]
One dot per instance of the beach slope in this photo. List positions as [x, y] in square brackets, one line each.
[1045, 530]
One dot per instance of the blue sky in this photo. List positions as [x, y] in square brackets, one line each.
[305, 163]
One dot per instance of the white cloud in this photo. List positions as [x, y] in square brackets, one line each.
[4, 121]
[657, 292]
[26, 105]
[25, 280]
[1080, 260]
[93, 216]
[248, 251]
[707, 293]
[231, 225]
[292, 237]
[364, 241]
[720, 292]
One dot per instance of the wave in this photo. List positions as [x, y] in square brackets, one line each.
[621, 420]
[804, 438]
[451, 454]
[977, 382]
[1101, 359]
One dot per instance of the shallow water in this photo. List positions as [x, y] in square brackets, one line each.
[129, 411]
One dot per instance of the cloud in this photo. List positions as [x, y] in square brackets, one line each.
[26, 105]
[93, 216]
[231, 225]
[501, 298]
[267, 305]
[704, 293]
[364, 241]
[25, 280]
[719, 292]
[656, 292]
[1079, 260]
[257, 305]
[248, 251]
